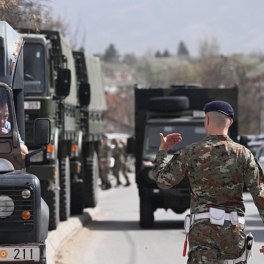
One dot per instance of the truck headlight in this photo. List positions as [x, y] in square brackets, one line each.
[50, 152]
[74, 152]
[147, 163]
[26, 194]
[7, 206]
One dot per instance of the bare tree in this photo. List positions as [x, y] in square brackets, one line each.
[208, 48]
[34, 14]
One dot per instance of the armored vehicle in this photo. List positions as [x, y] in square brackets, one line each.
[92, 105]
[175, 109]
[23, 214]
[51, 92]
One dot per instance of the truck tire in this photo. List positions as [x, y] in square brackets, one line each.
[51, 197]
[168, 104]
[90, 182]
[77, 202]
[146, 212]
[65, 194]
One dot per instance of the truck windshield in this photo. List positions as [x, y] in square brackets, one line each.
[34, 68]
[190, 132]
[5, 120]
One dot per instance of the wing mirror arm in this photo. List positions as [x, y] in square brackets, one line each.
[29, 155]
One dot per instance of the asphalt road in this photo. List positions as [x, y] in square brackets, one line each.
[115, 237]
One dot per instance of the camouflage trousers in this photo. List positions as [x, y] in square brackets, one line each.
[116, 170]
[104, 171]
[210, 243]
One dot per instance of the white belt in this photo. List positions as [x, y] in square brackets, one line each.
[234, 261]
[206, 215]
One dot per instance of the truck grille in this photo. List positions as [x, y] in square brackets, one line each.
[15, 221]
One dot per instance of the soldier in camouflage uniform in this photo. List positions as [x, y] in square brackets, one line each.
[117, 154]
[124, 160]
[104, 159]
[217, 169]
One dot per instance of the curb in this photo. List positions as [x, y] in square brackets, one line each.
[66, 229]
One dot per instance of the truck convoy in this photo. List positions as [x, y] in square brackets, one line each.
[176, 109]
[68, 89]
[23, 214]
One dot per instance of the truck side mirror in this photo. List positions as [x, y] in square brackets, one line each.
[131, 145]
[42, 131]
[63, 85]
[84, 94]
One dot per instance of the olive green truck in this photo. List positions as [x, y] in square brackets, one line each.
[66, 87]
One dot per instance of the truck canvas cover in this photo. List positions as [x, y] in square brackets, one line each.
[98, 102]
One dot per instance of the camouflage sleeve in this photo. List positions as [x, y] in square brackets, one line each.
[254, 181]
[169, 173]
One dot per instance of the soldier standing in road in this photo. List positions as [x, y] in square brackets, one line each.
[124, 162]
[217, 169]
[116, 154]
[104, 159]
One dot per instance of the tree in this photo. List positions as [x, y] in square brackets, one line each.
[166, 54]
[158, 54]
[130, 59]
[34, 14]
[182, 50]
[208, 48]
[111, 54]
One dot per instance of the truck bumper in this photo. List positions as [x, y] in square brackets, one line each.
[43, 172]
[172, 198]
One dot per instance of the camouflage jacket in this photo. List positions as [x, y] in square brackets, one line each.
[105, 154]
[217, 169]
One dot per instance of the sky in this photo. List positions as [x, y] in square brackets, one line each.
[139, 26]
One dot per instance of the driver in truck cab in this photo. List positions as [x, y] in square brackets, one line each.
[6, 126]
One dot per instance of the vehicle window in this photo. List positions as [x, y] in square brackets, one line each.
[254, 149]
[190, 133]
[5, 120]
[34, 68]
[261, 154]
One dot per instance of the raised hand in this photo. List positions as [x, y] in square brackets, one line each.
[262, 250]
[169, 141]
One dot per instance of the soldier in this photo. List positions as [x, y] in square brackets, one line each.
[124, 160]
[116, 154]
[104, 159]
[217, 169]
[6, 126]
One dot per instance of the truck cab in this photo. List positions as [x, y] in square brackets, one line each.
[23, 214]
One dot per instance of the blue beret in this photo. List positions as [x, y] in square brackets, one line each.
[219, 106]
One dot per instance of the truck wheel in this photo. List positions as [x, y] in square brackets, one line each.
[90, 182]
[51, 197]
[146, 213]
[76, 196]
[65, 195]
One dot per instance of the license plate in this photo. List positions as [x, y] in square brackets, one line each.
[32, 105]
[19, 254]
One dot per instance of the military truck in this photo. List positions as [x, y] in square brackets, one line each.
[68, 167]
[175, 109]
[50, 92]
[23, 214]
[92, 105]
